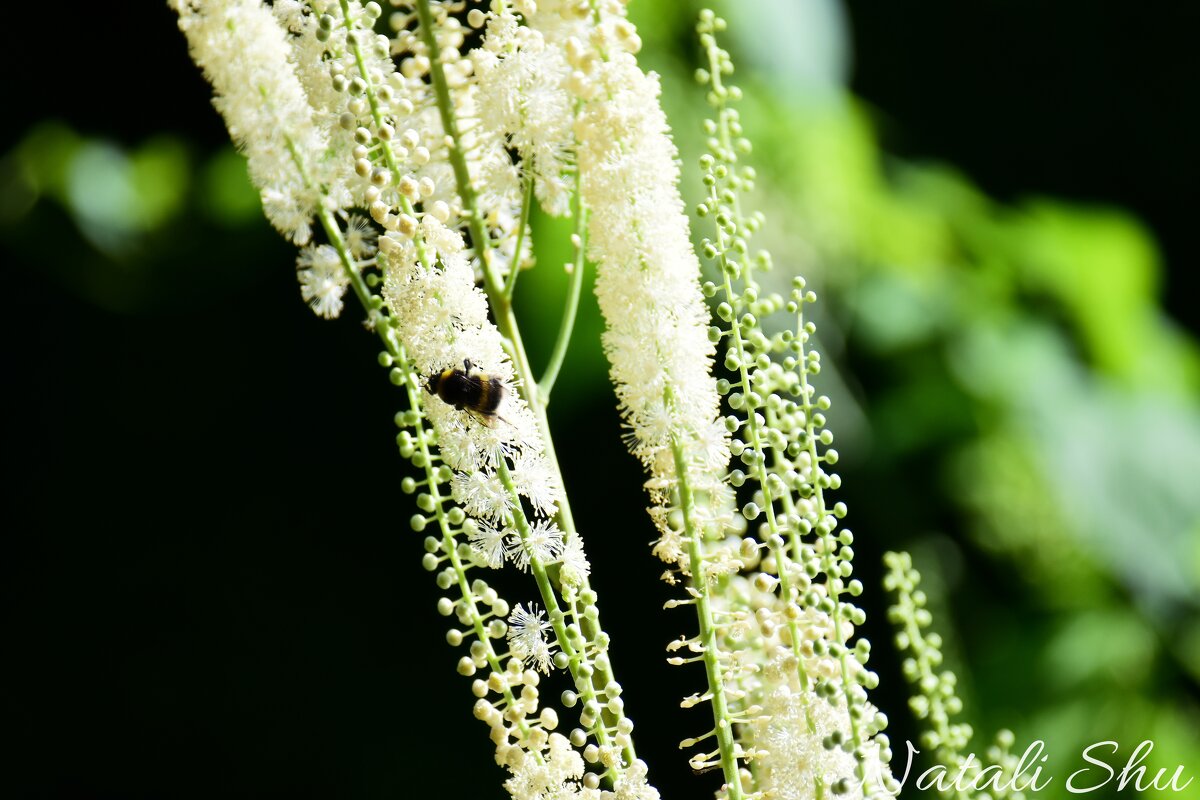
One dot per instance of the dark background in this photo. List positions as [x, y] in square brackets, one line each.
[1091, 101]
[211, 587]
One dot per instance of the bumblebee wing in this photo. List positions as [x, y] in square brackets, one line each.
[489, 420]
[481, 418]
[472, 382]
[475, 393]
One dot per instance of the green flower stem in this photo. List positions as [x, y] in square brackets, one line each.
[577, 657]
[708, 631]
[448, 544]
[502, 308]
[373, 304]
[789, 503]
[515, 268]
[501, 305]
[568, 321]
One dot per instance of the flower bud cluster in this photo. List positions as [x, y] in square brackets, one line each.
[936, 700]
[381, 137]
[494, 179]
[792, 680]
[507, 699]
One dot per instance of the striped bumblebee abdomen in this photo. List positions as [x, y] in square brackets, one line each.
[468, 388]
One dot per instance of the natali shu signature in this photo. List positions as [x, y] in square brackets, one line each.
[1028, 777]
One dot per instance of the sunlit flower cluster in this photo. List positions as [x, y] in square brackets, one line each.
[935, 701]
[244, 53]
[778, 639]
[444, 150]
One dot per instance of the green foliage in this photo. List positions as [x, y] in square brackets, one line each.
[132, 215]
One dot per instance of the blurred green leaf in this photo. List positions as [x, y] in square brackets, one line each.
[1109, 645]
[226, 193]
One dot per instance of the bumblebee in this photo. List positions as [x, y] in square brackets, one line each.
[469, 388]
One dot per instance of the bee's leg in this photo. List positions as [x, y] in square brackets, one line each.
[467, 365]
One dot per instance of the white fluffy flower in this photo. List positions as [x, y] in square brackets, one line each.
[487, 543]
[527, 637]
[323, 280]
[575, 565]
[544, 543]
[244, 53]
[554, 776]
[647, 274]
[793, 756]
[523, 96]
[632, 785]
[536, 478]
[442, 320]
[566, 87]
[482, 495]
[360, 236]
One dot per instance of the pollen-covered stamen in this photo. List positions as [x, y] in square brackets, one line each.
[544, 542]
[487, 543]
[527, 637]
[323, 280]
